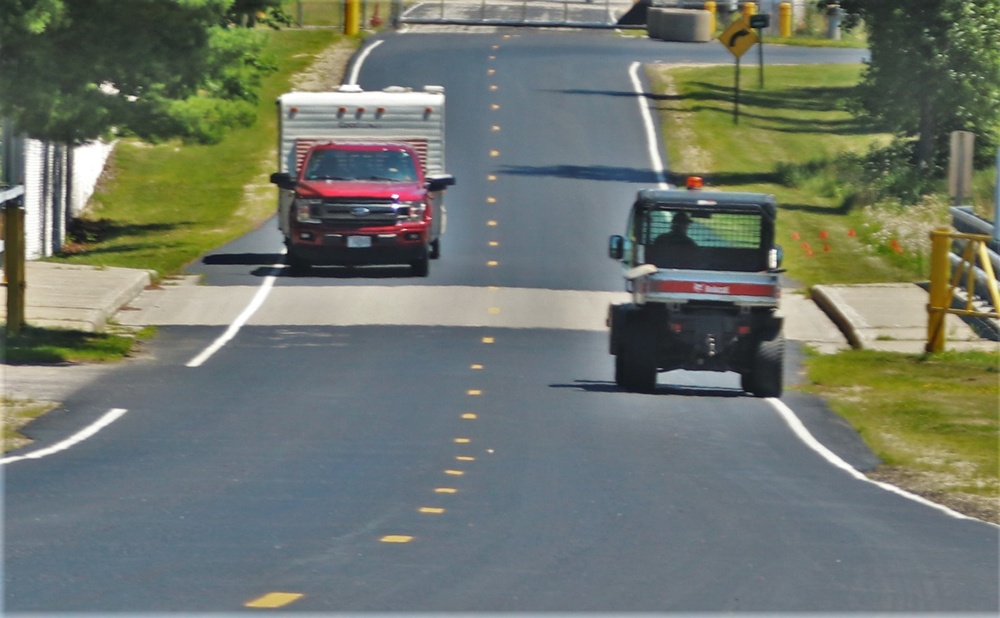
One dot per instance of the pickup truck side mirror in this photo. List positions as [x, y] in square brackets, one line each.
[283, 180]
[616, 247]
[440, 182]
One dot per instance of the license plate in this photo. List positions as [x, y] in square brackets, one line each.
[359, 242]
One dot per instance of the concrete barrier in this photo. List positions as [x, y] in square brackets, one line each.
[684, 25]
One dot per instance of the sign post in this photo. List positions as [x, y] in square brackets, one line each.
[759, 22]
[738, 38]
[960, 166]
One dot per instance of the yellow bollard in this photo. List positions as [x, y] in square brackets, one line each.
[785, 19]
[711, 8]
[749, 8]
[352, 17]
[939, 297]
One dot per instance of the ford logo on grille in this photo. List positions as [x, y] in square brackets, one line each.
[360, 211]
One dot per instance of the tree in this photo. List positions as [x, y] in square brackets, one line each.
[74, 70]
[934, 69]
[249, 13]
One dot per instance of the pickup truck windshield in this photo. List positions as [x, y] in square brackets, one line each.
[363, 165]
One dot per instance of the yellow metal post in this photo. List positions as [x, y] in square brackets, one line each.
[749, 8]
[940, 299]
[14, 267]
[785, 19]
[711, 8]
[352, 17]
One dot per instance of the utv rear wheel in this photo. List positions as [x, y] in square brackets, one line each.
[766, 378]
[296, 265]
[635, 363]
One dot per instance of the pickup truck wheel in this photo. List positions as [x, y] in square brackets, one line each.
[767, 378]
[435, 249]
[296, 265]
[635, 363]
[421, 267]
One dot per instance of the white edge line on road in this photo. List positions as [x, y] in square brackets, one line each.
[109, 417]
[809, 440]
[241, 319]
[647, 120]
[356, 69]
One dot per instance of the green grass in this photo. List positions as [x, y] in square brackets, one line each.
[161, 206]
[785, 141]
[38, 346]
[934, 413]
[16, 414]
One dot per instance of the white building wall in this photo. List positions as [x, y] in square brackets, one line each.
[51, 198]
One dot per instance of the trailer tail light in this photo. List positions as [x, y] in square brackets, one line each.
[676, 327]
[742, 330]
[695, 182]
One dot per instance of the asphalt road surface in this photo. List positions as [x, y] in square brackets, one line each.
[447, 449]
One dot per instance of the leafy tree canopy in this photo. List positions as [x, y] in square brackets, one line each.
[74, 70]
[934, 69]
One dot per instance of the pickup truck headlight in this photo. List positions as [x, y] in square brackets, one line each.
[415, 210]
[304, 210]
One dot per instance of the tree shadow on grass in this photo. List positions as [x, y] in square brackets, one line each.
[89, 237]
[805, 99]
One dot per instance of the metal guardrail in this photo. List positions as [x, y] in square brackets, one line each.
[966, 222]
[964, 263]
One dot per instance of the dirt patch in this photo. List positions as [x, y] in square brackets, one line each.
[927, 486]
[327, 71]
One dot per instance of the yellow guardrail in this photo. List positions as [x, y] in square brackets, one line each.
[944, 283]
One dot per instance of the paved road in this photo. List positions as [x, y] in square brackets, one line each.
[321, 466]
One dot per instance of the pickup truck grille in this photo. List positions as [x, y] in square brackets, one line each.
[361, 213]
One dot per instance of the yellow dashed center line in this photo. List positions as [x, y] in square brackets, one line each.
[474, 392]
[454, 472]
[273, 600]
[492, 223]
[465, 458]
[491, 200]
[431, 510]
[494, 106]
[494, 153]
[470, 416]
[462, 440]
[396, 538]
[489, 340]
[491, 177]
[494, 310]
[446, 490]
[492, 263]
[494, 243]
[475, 366]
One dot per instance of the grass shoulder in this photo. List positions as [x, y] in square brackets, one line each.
[932, 419]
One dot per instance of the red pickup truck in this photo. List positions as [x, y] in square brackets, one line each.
[361, 181]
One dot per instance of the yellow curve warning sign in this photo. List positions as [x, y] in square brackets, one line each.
[738, 38]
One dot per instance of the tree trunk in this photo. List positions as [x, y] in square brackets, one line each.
[928, 128]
